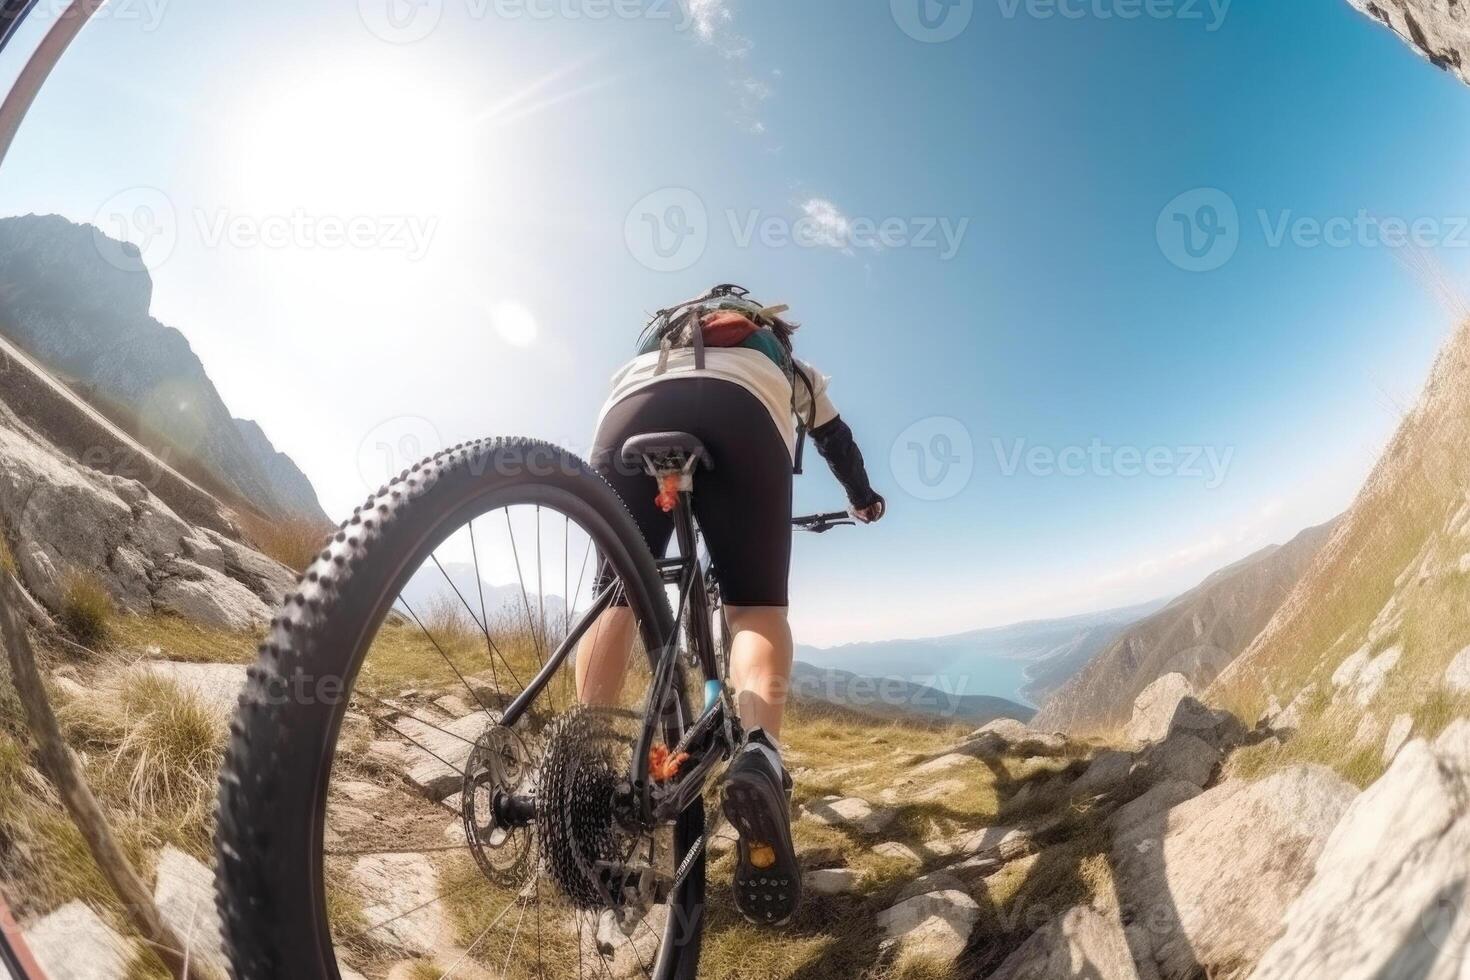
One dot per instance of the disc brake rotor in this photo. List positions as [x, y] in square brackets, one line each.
[499, 767]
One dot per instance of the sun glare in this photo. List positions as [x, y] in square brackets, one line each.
[353, 141]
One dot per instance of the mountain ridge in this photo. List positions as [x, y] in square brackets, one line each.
[78, 302]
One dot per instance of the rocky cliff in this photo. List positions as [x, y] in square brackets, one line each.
[78, 302]
[1196, 635]
[1437, 29]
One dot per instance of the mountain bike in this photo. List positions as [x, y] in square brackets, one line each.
[411, 774]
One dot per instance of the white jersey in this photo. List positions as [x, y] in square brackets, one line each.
[750, 369]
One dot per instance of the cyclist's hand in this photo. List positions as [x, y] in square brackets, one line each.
[872, 513]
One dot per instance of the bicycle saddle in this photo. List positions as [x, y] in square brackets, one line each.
[664, 445]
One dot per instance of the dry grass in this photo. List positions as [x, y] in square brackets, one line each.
[87, 610]
[168, 637]
[156, 751]
[1391, 580]
[294, 542]
[7, 556]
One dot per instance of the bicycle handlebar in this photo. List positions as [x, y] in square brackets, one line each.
[822, 523]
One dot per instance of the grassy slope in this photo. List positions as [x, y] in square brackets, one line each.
[1390, 577]
[150, 749]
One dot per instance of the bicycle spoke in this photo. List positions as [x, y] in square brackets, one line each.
[457, 673]
[379, 852]
[484, 616]
[525, 599]
[478, 940]
[407, 912]
[420, 745]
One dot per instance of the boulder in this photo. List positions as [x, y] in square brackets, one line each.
[184, 894]
[935, 925]
[1457, 674]
[850, 811]
[73, 943]
[1164, 705]
[832, 881]
[1398, 734]
[1158, 799]
[944, 763]
[1387, 899]
[218, 686]
[896, 851]
[1374, 673]
[1107, 770]
[1182, 757]
[1211, 878]
[1009, 735]
[210, 598]
[435, 756]
[1291, 718]
[935, 881]
[1081, 943]
[402, 892]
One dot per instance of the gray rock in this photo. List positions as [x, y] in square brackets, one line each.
[1213, 876]
[1457, 674]
[1158, 799]
[402, 891]
[1387, 896]
[1108, 769]
[935, 925]
[1375, 672]
[218, 686]
[436, 755]
[849, 811]
[944, 763]
[1291, 718]
[1347, 672]
[1398, 734]
[73, 943]
[832, 881]
[1082, 943]
[935, 881]
[1182, 757]
[1009, 735]
[897, 851]
[978, 841]
[1155, 708]
[210, 598]
[184, 894]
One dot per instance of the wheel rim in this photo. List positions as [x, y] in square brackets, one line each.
[410, 872]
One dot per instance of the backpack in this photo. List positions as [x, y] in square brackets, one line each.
[726, 317]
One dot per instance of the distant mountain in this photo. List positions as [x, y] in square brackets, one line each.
[1024, 660]
[456, 586]
[78, 302]
[900, 698]
[1197, 635]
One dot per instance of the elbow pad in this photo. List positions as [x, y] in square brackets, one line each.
[835, 443]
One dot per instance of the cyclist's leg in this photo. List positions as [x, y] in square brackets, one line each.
[761, 652]
[744, 509]
[603, 654]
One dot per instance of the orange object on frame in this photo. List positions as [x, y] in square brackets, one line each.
[668, 494]
[662, 766]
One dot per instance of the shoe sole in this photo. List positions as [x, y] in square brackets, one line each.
[755, 808]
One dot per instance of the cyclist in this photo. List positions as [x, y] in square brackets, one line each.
[738, 388]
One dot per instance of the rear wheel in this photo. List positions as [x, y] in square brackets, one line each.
[375, 810]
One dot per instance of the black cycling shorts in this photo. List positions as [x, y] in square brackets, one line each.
[743, 504]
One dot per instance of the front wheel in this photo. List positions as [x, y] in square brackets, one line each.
[377, 811]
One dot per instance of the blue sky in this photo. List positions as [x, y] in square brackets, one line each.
[502, 170]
